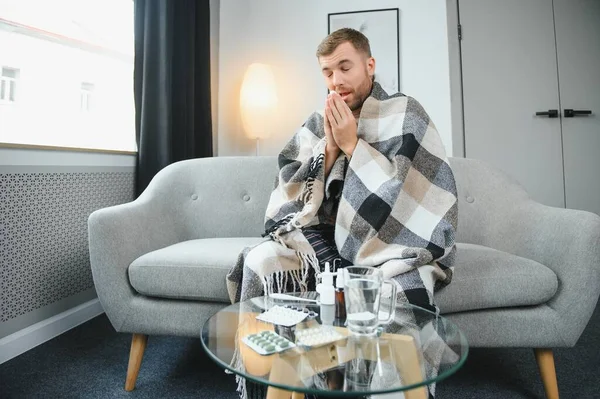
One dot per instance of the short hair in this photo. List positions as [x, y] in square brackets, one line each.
[333, 40]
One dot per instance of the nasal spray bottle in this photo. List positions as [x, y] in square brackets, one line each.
[325, 287]
[340, 297]
[326, 296]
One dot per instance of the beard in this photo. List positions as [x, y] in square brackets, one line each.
[361, 93]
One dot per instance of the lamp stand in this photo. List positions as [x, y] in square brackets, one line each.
[257, 140]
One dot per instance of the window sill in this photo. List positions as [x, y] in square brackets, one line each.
[71, 149]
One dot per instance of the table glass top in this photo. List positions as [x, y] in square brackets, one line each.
[416, 349]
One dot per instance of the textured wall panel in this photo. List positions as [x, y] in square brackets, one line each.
[43, 232]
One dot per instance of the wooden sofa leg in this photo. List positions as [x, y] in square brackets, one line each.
[138, 345]
[545, 361]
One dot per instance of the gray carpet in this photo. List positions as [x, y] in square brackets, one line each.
[90, 361]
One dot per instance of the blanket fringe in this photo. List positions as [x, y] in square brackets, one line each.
[277, 281]
[307, 261]
[238, 364]
[241, 386]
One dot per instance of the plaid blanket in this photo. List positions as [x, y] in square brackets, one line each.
[397, 207]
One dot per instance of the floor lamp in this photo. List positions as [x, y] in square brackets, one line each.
[258, 102]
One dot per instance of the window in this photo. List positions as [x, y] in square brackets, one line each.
[67, 73]
[8, 84]
[85, 96]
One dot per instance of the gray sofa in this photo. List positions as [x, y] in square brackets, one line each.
[527, 275]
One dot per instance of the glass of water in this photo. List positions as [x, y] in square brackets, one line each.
[363, 286]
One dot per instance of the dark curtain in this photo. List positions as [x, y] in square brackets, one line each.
[172, 84]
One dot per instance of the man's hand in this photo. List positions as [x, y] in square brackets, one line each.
[332, 151]
[342, 122]
[332, 147]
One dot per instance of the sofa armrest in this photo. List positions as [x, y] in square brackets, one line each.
[117, 236]
[568, 242]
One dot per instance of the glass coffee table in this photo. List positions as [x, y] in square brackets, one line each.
[415, 350]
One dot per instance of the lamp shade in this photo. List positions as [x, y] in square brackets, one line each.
[258, 101]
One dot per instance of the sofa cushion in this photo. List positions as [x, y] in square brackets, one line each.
[483, 277]
[194, 269]
[486, 278]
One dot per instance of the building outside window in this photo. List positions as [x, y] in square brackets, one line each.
[86, 96]
[8, 84]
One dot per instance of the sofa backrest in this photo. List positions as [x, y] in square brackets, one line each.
[228, 196]
[214, 197]
[486, 199]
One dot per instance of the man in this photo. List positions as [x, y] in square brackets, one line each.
[366, 182]
[348, 69]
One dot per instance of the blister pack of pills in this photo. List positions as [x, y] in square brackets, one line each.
[317, 336]
[282, 316]
[267, 342]
[311, 313]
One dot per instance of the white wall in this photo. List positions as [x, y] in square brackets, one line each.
[285, 34]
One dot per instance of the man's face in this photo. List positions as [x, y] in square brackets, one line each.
[348, 72]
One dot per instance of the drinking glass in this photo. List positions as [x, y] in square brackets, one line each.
[362, 292]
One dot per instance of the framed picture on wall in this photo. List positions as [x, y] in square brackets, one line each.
[382, 28]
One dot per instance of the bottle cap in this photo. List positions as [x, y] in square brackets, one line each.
[327, 275]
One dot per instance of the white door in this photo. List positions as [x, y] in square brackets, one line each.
[509, 73]
[578, 44]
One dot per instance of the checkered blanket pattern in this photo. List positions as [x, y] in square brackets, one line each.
[398, 207]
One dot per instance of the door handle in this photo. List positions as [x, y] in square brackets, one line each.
[551, 113]
[569, 113]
